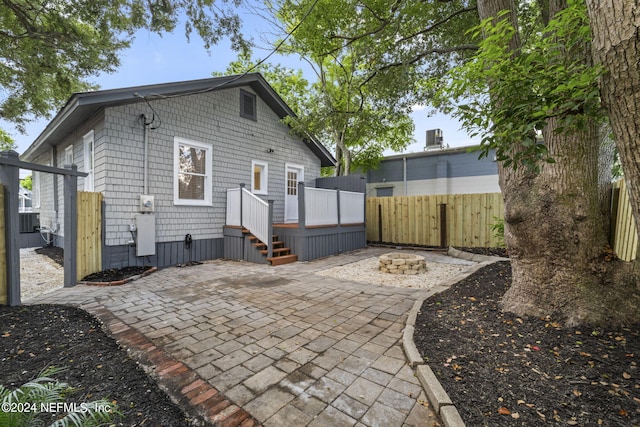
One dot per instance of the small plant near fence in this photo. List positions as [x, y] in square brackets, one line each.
[31, 402]
[497, 228]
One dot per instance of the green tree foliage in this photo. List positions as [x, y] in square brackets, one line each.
[49, 49]
[365, 131]
[360, 102]
[548, 78]
[27, 182]
[290, 84]
[6, 142]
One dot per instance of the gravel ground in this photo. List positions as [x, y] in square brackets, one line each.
[366, 271]
[39, 274]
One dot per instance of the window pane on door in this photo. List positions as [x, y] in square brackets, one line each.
[292, 183]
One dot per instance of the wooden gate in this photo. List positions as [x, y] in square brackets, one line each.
[89, 248]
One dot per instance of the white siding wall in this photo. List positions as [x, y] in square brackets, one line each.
[212, 118]
[461, 185]
[52, 214]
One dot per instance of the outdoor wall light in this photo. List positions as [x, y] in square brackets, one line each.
[269, 150]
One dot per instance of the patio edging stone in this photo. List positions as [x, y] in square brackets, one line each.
[438, 397]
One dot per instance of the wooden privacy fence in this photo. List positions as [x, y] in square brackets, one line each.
[89, 250]
[624, 236]
[438, 220]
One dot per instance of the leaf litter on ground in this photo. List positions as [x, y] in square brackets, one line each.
[503, 370]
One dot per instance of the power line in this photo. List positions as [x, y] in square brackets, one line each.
[257, 64]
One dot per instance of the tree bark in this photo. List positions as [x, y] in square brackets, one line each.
[615, 27]
[556, 225]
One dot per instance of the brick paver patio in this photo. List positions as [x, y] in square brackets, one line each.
[280, 346]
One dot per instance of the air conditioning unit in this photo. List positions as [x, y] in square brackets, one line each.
[434, 139]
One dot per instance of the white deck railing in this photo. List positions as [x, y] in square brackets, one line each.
[255, 215]
[320, 207]
[351, 207]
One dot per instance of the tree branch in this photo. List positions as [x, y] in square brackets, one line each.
[443, 50]
[439, 23]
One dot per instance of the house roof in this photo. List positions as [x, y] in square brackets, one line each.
[432, 152]
[81, 106]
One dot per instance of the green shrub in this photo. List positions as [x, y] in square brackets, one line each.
[498, 230]
[27, 405]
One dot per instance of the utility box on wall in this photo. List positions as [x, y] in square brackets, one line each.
[147, 203]
[146, 234]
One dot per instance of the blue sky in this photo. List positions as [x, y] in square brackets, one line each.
[167, 58]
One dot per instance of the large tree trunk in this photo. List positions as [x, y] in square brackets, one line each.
[615, 26]
[556, 226]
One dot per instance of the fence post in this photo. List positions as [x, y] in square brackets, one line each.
[270, 231]
[241, 196]
[338, 204]
[10, 178]
[379, 223]
[443, 225]
[301, 207]
[70, 228]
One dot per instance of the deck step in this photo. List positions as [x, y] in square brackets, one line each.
[263, 245]
[252, 237]
[276, 251]
[284, 259]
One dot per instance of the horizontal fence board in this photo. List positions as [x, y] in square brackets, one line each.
[416, 220]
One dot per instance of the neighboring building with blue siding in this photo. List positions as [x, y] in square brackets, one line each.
[446, 171]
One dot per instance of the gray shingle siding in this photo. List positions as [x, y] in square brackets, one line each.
[211, 118]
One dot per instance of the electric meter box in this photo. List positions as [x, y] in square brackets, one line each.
[147, 203]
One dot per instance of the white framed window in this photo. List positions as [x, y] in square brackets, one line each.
[88, 142]
[192, 167]
[259, 177]
[68, 156]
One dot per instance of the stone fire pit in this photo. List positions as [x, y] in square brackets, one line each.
[397, 263]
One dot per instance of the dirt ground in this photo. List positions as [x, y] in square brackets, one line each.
[503, 370]
[37, 336]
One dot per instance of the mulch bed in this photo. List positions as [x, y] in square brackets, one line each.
[37, 336]
[105, 277]
[504, 370]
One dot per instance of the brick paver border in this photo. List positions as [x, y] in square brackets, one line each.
[195, 396]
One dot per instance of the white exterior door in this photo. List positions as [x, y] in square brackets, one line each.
[293, 175]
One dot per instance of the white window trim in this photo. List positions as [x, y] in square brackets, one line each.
[89, 159]
[264, 177]
[208, 179]
[68, 156]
